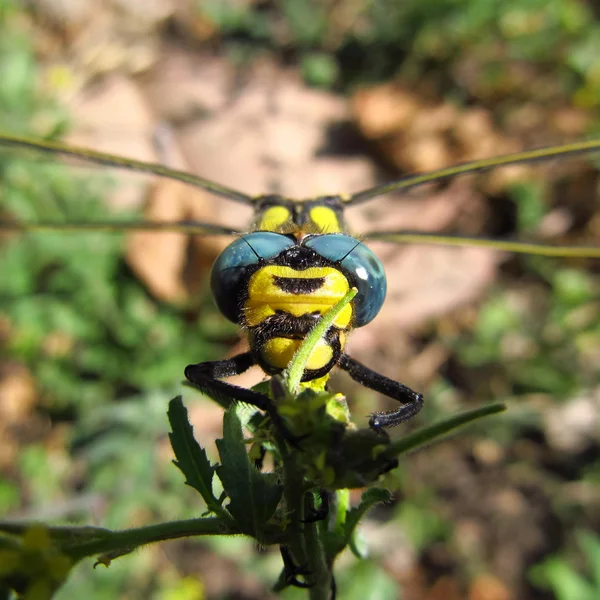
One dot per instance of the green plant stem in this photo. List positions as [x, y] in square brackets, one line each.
[320, 572]
[293, 493]
[115, 541]
[303, 539]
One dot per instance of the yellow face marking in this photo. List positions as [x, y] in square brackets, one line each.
[325, 219]
[317, 385]
[274, 219]
[279, 352]
[265, 298]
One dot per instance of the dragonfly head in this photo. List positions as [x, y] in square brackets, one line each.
[277, 287]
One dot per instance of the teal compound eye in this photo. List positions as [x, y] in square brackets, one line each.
[363, 269]
[229, 273]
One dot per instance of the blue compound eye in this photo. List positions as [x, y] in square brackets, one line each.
[362, 267]
[227, 278]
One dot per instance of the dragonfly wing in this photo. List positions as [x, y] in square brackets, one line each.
[516, 246]
[186, 227]
[110, 160]
[413, 181]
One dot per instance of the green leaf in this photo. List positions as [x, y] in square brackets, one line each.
[253, 496]
[337, 522]
[358, 545]
[562, 579]
[370, 498]
[340, 534]
[423, 521]
[319, 69]
[191, 457]
[359, 458]
[590, 544]
[369, 581]
[426, 435]
[529, 198]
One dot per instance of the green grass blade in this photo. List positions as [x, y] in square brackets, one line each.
[413, 181]
[111, 160]
[297, 367]
[540, 249]
[433, 432]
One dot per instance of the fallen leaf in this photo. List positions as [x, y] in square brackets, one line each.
[488, 587]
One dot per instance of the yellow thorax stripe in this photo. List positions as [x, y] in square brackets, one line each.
[265, 298]
[325, 219]
[274, 218]
[279, 352]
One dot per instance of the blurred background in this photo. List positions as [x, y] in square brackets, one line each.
[306, 97]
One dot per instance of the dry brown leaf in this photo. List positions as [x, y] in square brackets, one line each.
[474, 130]
[113, 117]
[416, 136]
[383, 110]
[438, 119]
[161, 259]
[569, 121]
[424, 153]
[445, 588]
[68, 15]
[256, 137]
[101, 38]
[423, 281]
[18, 394]
[158, 258]
[488, 587]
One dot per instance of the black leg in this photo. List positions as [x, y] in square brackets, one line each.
[322, 512]
[292, 570]
[206, 377]
[218, 369]
[410, 400]
[259, 462]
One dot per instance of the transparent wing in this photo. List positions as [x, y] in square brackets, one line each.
[110, 160]
[187, 227]
[519, 247]
[413, 181]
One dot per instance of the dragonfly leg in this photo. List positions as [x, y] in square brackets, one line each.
[411, 401]
[217, 369]
[321, 513]
[291, 570]
[206, 376]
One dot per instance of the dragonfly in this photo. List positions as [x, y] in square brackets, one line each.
[296, 261]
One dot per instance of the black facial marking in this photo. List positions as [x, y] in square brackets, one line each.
[298, 285]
